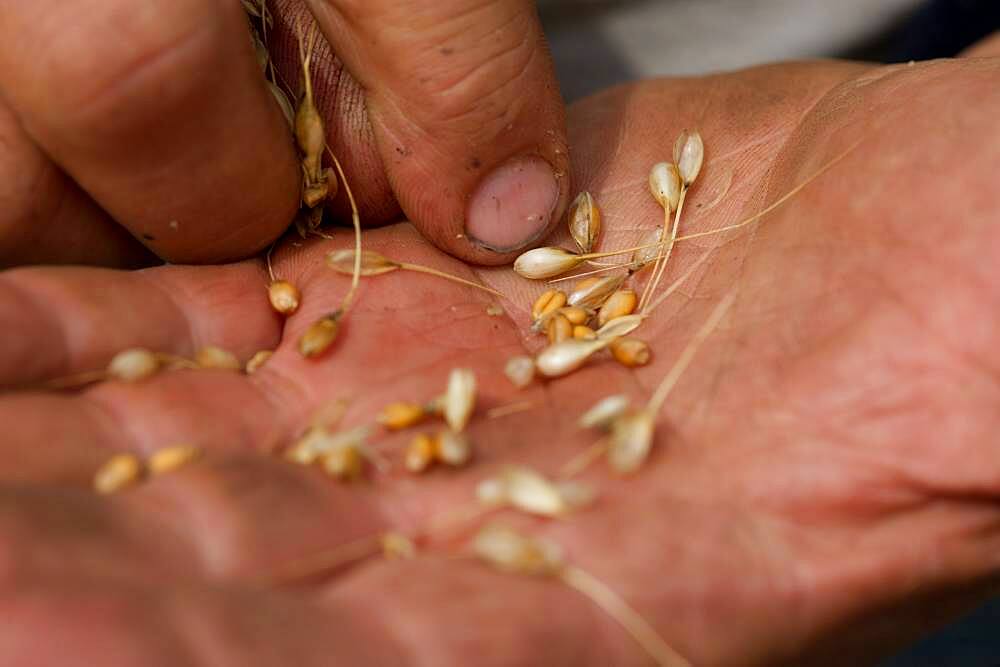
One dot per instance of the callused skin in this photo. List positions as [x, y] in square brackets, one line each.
[824, 476]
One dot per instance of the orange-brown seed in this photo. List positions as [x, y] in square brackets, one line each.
[421, 453]
[575, 314]
[549, 301]
[559, 329]
[581, 332]
[619, 304]
[284, 297]
[397, 416]
[343, 463]
[630, 352]
[319, 336]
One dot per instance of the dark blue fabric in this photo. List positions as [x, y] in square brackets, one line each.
[942, 28]
[972, 642]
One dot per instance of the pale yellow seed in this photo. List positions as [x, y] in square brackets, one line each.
[689, 153]
[372, 263]
[581, 332]
[397, 416]
[491, 492]
[459, 398]
[604, 412]
[520, 371]
[565, 357]
[548, 302]
[621, 326]
[218, 359]
[120, 471]
[258, 360]
[575, 314]
[170, 459]
[665, 185]
[284, 297]
[421, 453]
[549, 262]
[319, 336]
[133, 365]
[508, 550]
[453, 449]
[630, 352]
[559, 329]
[343, 463]
[584, 220]
[619, 304]
[593, 295]
[631, 441]
[530, 492]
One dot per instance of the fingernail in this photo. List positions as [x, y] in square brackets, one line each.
[513, 205]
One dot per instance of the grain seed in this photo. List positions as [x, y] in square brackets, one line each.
[584, 219]
[520, 371]
[133, 365]
[689, 153]
[459, 398]
[119, 472]
[212, 357]
[320, 335]
[565, 357]
[665, 185]
[257, 360]
[631, 441]
[284, 297]
[630, 352]
[548, 302]
[604, 412]
[509, 551]
[558, 328]
[397, 416]
[170, 459]
[452, 448]
[546, 262]
[592, 293]
[619, 304]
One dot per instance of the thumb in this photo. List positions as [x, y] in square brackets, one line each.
[467, 115]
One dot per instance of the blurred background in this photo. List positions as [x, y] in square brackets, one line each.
[599, 43]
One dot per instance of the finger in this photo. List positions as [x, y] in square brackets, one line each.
[160, 112]
[988, 47]
[467, 116]
[46, 218]
[62, 321]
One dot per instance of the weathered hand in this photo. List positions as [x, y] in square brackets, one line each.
[130, 128]
[824, 479]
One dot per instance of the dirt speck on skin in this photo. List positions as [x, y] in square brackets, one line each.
[149, 237]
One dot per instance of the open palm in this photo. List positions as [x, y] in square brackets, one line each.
[825, 476]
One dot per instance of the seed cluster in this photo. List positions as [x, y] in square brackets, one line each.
[124, 470]
[569, 320]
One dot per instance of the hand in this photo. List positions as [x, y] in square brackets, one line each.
[131, 128]
[824, 481]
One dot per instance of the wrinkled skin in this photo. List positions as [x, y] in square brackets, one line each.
[824, 485]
